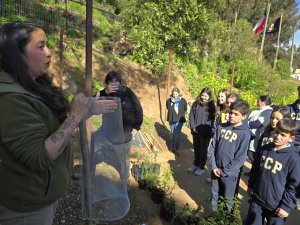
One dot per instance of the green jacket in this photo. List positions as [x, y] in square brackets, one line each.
[30, 180]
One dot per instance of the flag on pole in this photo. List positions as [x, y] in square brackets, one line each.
[260, 25]
[274, 27]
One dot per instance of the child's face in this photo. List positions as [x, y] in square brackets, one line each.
[175, 94]
[276, 116]
[281, 139]
[204, 97]
[230, 100]
[235, 117]
[222, 98]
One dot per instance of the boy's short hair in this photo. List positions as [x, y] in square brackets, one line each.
[241, 106]
[287, 125]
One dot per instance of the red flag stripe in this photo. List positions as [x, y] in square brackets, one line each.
[260, 25]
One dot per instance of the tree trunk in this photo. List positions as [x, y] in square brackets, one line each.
[168, 79]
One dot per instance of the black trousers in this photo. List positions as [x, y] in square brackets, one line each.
[200, 144]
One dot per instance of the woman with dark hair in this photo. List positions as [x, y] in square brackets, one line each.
[36, 126]
[132, 112]
[176, 106]
[202, 117]
[258, 119]
[278, 113]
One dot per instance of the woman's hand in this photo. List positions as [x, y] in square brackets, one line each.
[83, 107]
[80, 107]
[100, 106]
[112, 88]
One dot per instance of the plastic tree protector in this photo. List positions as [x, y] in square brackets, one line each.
[104, 189]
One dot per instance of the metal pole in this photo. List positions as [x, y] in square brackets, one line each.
[278, 40]
[232, 77]
[293, 47]
[264, 32]
[85, 126]
[168, 80]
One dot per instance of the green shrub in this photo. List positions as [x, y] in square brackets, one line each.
[223, 216]
[72, 33]
[197, 81]
[283, 69]
[53, 41]
[248, 75]
[167, 181]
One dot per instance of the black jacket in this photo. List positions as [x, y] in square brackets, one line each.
[132, 112]
[172, 115]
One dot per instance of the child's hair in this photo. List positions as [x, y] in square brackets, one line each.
[284, 111]
[266, 99]
[287, 125]
[233, 95]
[211, 104]
[175, 89]
[221, 107]
[241, 106]
[113, 75]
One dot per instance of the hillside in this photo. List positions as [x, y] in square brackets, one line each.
[191, 189]
[150, 88]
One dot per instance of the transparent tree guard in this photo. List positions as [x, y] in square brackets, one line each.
[104, 188]
[137, 140]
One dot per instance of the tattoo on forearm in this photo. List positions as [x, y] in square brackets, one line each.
[58, 136]
[69, 122]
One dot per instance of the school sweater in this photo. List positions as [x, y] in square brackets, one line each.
[295, 114]
[200, 119]
[261, 115]
[274, 176]
[265, 139]
[228, 149]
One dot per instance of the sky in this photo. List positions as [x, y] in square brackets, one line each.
[297, 35]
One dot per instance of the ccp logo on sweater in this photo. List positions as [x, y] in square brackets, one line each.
[228, 135]
[270, 164]
[295, 116]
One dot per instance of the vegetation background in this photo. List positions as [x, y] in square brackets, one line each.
[200, 39]
[203, 38]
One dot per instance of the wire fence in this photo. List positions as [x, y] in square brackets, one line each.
[50, 16]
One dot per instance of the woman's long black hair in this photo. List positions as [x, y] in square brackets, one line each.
[13, 39]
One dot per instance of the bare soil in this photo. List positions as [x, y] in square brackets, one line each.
[191, 189]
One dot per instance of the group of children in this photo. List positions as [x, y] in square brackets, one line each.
[223, 134]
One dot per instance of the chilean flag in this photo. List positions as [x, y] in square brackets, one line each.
[260, 25]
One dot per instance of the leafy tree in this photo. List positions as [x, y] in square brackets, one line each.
[156, 27]
[283, 68]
